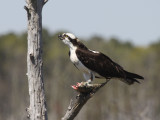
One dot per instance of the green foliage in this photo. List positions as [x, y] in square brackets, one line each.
[117, 101]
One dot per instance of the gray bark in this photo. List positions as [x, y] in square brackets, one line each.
[85, 93]
[37, 109]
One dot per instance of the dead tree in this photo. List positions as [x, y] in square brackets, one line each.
[85, 92]
[37, 109]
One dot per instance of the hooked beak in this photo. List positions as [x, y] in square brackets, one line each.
[60, 37]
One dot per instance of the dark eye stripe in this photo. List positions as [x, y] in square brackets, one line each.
[72, 40]
[65, 35]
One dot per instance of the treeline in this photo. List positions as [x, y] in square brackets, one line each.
[116, 101]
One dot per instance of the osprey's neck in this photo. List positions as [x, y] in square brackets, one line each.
[73, 48]
[82, 46]
[79, 45]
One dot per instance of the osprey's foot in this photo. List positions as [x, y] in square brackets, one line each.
[85, 87]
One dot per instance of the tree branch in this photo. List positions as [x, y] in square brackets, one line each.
[85, 93]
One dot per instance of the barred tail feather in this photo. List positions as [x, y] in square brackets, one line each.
[131, 78]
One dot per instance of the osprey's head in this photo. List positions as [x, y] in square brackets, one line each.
[71, 40]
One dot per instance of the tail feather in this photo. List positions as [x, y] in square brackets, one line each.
[129, 81]
[130, 78]
[133, 75]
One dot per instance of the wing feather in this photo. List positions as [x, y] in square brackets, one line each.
[100, 63]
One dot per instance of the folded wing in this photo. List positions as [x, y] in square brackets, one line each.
[104, 66]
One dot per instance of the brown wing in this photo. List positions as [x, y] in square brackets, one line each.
[100, 63]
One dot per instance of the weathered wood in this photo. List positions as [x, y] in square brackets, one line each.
[37, 109]
[85, 93]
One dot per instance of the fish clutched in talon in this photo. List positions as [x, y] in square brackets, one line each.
[84, 87]
[76, 86]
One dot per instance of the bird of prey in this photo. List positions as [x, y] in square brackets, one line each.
[94, 64]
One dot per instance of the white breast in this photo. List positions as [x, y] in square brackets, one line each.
[77, 62]
[73, 56]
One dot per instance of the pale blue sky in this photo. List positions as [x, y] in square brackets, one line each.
[137, 21]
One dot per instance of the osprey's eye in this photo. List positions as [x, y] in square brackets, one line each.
[66, 36]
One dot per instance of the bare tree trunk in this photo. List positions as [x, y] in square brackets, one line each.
[37, 109]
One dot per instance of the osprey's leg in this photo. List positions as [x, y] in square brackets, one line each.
[89, 77]
[92, 77]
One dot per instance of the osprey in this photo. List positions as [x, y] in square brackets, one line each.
[95, 64]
